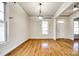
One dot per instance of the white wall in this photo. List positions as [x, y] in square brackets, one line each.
[36, 29]
[36, 32]
[18, 28]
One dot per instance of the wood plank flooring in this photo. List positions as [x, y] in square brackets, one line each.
[46, 47]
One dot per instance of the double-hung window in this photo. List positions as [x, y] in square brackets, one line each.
[76, 27]
[2, 23]
[45, 27]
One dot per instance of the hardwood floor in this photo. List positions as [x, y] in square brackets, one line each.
[48, 47]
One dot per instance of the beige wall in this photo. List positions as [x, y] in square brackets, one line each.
[18, 28]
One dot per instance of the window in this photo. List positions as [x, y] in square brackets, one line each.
[45, 27]
[2, 23]
[76, 27]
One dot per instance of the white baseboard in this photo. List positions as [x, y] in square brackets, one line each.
[42, 38]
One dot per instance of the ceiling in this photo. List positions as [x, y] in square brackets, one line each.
[69, 11]
[47, 8]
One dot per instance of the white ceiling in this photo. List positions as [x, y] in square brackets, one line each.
[69, 11]
[48, 8]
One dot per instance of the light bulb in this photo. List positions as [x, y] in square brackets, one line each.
[40, 17]
[60, 21]
[74, 9]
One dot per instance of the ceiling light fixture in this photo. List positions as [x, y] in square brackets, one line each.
[60, 21]
[40, 16]
[75, 8]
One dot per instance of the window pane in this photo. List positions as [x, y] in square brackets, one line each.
[76, 31]
[76, 24]
[44, 24]
[2, 32]
[1, 11]
[45, 27]
[1, 16]
[45, 32]
[76, 27]
[1, 7]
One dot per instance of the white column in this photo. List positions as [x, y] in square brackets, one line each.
[54, 29]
